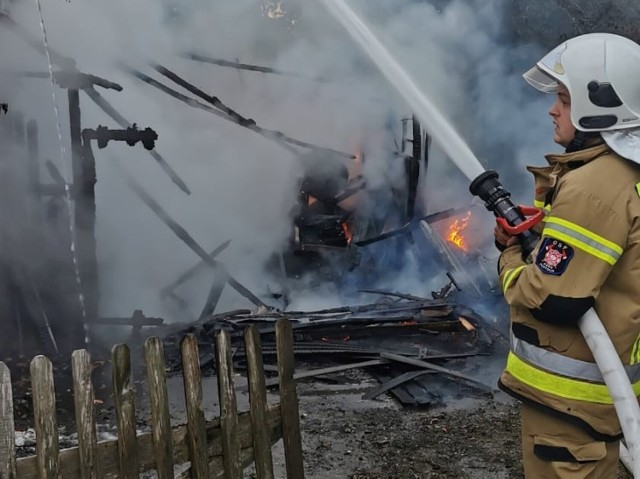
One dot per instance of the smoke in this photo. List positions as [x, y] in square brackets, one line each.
[243, 185]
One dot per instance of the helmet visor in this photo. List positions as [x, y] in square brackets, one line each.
[542, 81]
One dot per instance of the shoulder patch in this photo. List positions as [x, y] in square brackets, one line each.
[554, 256]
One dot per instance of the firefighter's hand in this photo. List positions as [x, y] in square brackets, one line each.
[503, 238]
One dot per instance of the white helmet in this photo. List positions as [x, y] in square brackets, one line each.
[601, 71]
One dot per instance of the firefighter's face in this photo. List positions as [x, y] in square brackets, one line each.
[564, 131]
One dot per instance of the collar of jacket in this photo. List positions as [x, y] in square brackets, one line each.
[546, 177]
[581, 156]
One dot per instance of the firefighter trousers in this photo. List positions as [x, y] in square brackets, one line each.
[556, 449]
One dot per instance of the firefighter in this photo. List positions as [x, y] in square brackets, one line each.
[588, 256]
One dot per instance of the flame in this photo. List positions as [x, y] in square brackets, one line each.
[455, 232]
[347, 232]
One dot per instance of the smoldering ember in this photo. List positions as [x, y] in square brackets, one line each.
[235, 243]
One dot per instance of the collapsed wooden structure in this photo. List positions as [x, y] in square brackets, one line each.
[59, 295]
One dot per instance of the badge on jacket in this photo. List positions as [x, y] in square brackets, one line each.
[554, 256]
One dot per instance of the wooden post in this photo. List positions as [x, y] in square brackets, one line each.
[123, 395]
[7, 426]
[258, 401]
[84, 187]
[159, 402]
[44, 411]
[291, 435]
[228, 408]
[85, 420]
[197, 436]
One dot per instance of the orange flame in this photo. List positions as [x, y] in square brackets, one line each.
[456, 230]
[347, 232]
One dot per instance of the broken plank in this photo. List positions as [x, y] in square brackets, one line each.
[434, 367]
[329, 370]
[395, 382]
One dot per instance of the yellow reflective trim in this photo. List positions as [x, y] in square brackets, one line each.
[538, 203]
[579, 244]
[573, 242]
[638, 188]
[560, 386]
[510, 276]
[634, 351]
[583, 239]
[592, 236]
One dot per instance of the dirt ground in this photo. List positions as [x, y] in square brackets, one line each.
[347, 437]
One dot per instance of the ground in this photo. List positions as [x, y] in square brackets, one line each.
[346, 437]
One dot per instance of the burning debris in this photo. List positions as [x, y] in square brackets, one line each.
[455, 233]
[344, 231]
[387, 337]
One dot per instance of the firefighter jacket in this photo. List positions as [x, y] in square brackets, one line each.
[588, 255]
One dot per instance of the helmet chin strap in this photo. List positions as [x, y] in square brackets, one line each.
[580, 139]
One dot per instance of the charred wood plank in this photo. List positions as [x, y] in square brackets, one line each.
[411, 225]
[248, 67]
[186, 238]
[133, 321]
[247, 123]
[397, 295]
[434, 367]
[188, 274]
[333, 369]
[395, 382]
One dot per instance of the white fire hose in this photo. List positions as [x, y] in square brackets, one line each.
[619, 385]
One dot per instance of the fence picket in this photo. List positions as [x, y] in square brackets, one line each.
[289, 401]
[83, 398]
[197, 435]
[123, 395]
[159, 402]
[7, 427]
[258, 404]
[220, 448]
[228, 408]
[44, 412]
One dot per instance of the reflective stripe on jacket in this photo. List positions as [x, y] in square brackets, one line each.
[588, 255]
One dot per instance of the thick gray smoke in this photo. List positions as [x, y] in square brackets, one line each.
[243, 185]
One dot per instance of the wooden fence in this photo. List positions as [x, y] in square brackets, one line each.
[221, 448]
